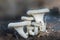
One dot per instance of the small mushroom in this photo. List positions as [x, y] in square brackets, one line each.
[19, 27]
[30, 28]
[39, 15]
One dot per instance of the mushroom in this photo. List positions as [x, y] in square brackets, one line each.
[30, 28]
[19, 27]
[39, 15]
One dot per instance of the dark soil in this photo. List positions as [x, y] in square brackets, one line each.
[51, 36]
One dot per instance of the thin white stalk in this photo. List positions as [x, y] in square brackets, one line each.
[31, 32]
[21, 32]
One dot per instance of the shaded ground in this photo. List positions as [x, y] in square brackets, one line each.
[51, 36]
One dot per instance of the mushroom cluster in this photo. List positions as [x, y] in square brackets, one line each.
[28, 26]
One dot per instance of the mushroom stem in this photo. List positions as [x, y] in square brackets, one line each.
[39, 19]
[31, 32]
[21, 32]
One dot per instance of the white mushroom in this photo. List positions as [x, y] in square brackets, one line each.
[19, 27]
[39, 15]
[30, 28]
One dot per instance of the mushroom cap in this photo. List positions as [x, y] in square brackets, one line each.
[27, 18]
[39, 11]
[19, 24]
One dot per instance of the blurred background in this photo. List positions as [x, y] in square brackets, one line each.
[19, 7]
